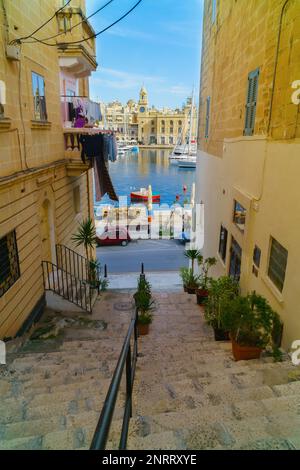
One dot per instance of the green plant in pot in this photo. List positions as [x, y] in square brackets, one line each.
[204, 267]
[192, 255]
[145, 305]
[251, 322]
[220, 291]
[190, 280]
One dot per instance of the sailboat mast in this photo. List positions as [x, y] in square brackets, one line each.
[191, 122]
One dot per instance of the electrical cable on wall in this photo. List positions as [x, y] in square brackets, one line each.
[19, 40]
[70, 29]
[80, 41]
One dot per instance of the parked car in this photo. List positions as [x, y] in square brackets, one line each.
[114, 236]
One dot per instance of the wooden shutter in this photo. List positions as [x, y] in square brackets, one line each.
[251, 101]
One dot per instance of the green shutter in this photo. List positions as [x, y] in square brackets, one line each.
[251, 102]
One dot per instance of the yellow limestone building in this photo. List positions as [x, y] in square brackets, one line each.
[164, 127]
[249, 152]
[45, 190]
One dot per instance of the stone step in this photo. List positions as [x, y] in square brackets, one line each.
[159, 400]
[167, 440]
[225, 433]
[51, 370]
[64, 393]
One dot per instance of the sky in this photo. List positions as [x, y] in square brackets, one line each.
[158, 45]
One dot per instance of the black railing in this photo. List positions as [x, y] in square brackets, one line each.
[128, 358]
[72, 262]
[63, 283]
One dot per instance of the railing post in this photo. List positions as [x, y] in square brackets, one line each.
[142, 269]
[105, 271]
[129, 380]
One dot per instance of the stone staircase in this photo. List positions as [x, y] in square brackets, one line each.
[52, 390]
[190, 393]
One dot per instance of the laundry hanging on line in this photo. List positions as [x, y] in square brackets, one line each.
[100, 148]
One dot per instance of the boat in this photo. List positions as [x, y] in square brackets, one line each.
[187, 151]
[190, 164]
[142, 196]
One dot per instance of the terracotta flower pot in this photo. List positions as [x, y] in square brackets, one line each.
[143, 329]
[244, 353]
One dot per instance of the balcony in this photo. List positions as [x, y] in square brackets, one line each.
[72, 107]
[75, 166]
[77, 59]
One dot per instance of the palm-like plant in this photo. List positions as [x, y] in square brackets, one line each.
[86, 236]
[192, 255]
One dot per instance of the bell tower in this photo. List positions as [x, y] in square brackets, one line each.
[143, 101]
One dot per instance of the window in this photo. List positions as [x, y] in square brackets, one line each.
[9, 262]
[153, 130]
[171, 130]
[39, 100]
[277, 264]
[179, 123]
[235, 260]
[256, 256]
[239, 216]
[163, 130]
[162, 122]
[214, 11]
[207, 116]
[171, 140]
[163, 140]
[76, 199]
[171, 123]
[223, 242]
[251, 102]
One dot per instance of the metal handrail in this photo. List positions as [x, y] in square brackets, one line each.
[60, 286]
[73, 262]
[103, 427]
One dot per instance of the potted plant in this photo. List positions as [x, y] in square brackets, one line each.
[86, 236]
[251, 322]
[145, 305]
[220, 291]
[144, 321]
[204, 267]
[190, 280]
[192, 255]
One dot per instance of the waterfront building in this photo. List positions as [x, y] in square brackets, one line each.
[148, 125]
[45, 189]
[164, 127]
[121, 119]
[249, 148]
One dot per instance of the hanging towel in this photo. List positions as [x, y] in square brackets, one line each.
[95, 148]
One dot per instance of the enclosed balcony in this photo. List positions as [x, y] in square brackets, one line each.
[77, 59]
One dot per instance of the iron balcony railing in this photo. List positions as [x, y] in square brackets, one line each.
[127, 358]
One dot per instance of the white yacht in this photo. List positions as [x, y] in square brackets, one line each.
[187, 151]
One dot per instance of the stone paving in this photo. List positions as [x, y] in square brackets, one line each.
[188, 394]
[53, 387]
